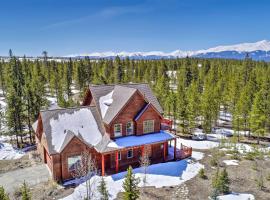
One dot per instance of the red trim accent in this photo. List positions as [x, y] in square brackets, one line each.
[164, 151]
[102, 165]
[116, 162]
[174, 153]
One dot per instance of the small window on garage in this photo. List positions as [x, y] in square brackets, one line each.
[130, 153]
[74, 162]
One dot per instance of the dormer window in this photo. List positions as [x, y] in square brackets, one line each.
[117, 130]
[129, 128]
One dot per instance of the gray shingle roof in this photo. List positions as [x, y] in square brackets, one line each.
[121, 94]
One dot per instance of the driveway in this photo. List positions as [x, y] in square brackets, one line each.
[32, 176]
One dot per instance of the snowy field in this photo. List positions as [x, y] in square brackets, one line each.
[7, 152]
[158, 175]
[237, 196]
[205, 144]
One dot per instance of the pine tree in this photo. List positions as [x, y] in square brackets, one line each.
[3, 194]
[102, 188]
[130, 185]
[118, 70]
[25, 191]
[224, 182]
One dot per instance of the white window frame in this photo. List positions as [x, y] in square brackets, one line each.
[117, 134]
[147, 129]
[132, 128]
[130, 150]
[119, 155]
[79, 157]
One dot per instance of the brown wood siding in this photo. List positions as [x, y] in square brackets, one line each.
[149, 114]
[76, 147]
[127, 114]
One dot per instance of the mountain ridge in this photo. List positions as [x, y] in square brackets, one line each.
[258, 51]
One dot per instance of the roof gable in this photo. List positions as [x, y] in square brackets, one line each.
[117, 96]
[144, 109]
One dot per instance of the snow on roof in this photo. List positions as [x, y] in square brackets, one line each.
[105, 102]
[130, 141]
[80, 123]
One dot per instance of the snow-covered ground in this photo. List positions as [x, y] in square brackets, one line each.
[158, 175]
[7, 152]
[205, 144]
[231, 162]
[237, 196]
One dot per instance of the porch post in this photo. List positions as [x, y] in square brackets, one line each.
[174, 155]
[116, 162]
[164, 151]
[102, 165]
[142, 149]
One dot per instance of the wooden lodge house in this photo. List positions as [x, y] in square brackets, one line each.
[116, 124]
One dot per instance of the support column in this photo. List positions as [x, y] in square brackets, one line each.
[102, 165]
[174, 155]
[116, 162]
[164, 151]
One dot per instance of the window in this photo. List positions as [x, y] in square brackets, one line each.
[148, 126]
[119, 155]
[161, 146]
[129, 128]
[117, 130]
[73, 162]
[130, 153]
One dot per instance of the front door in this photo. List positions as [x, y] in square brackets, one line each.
[148, 150]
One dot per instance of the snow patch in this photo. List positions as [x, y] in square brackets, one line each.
[205, 144]
[231, 162]
[237, 196]
[105, 102]
[7, 152]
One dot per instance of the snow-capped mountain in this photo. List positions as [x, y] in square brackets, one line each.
[258, 51]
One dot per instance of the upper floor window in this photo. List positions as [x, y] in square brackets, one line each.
[117, 130]
[130, 128]
[148, 126]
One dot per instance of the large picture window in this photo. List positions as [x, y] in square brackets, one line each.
[148, 126]
[117, 130]
[129, 128]
[74, 162]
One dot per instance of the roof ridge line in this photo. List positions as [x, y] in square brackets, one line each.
[69, 108]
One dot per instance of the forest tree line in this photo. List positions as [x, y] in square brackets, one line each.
[189, 89]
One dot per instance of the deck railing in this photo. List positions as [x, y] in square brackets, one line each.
[183, 152]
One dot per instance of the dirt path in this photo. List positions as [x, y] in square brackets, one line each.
[32, 175]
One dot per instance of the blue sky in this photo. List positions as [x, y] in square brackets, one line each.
[64, 27]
